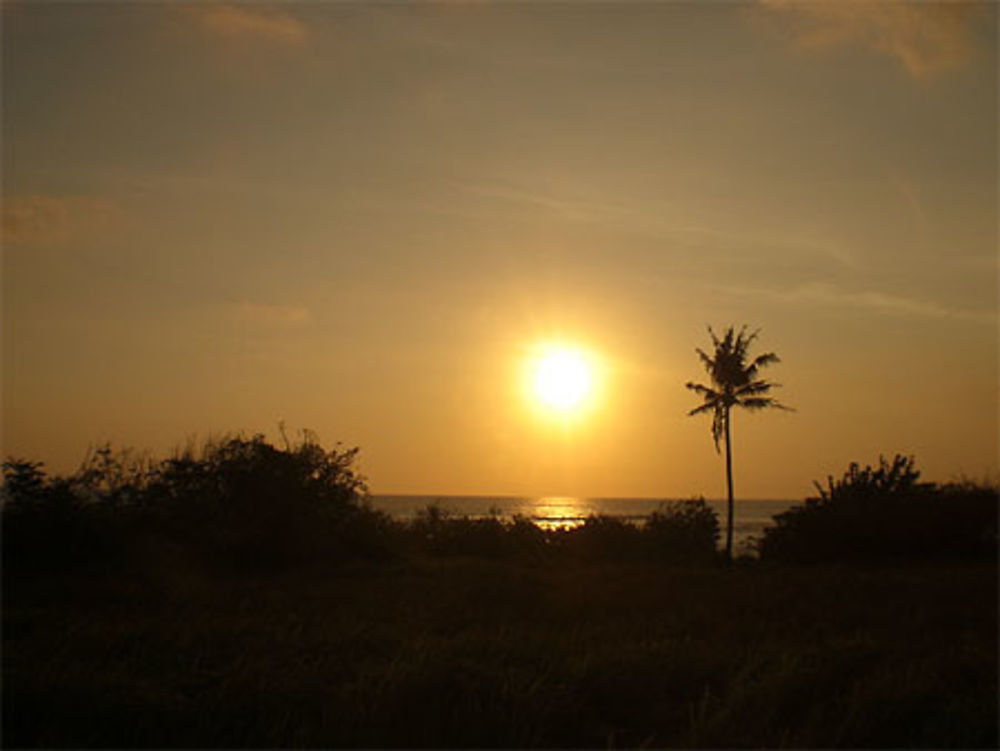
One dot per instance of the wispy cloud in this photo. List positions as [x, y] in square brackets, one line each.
[925, 38]
[252, 22]
[40, 220]
[762, 247]
[264, 313]
[820, 294]
[790, 247]
[561, 204]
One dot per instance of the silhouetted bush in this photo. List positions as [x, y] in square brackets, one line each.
[241, 501]
[601, 538]
[437, 531]
[53, 522]
[886, 514]
[679, 532]
[683, 531]
[263, 504]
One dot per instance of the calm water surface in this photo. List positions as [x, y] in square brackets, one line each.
[751, 516]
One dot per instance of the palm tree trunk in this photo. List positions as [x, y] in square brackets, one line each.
[729, 492]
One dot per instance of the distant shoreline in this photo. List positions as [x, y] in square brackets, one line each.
[515, 497]
[753, 516]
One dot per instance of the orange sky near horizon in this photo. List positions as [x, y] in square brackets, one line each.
[366, 219]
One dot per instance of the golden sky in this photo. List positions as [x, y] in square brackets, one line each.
[365, 219]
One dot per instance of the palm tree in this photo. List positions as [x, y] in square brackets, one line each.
[734, 384]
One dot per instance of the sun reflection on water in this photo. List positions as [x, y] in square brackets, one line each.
[560, 512]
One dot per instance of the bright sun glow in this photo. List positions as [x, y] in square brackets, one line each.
[562, 379]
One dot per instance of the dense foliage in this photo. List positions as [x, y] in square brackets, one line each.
[239, 502]
[244, 504]
[679, 532]
[886, 514]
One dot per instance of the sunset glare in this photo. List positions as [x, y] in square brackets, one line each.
[562, 379]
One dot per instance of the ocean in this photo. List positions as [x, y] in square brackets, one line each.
[751, 517]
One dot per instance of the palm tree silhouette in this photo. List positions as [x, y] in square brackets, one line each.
[734, 384]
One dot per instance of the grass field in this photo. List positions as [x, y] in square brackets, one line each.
[470, 652]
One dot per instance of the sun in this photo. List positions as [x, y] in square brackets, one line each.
[562, 379]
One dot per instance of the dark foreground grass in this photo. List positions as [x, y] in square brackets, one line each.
[478, 653]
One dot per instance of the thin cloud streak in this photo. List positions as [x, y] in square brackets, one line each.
[40, 220]
[569, 207]
[925, 38]
[761, 245]
[645, 219]
[830, 295]
[250, 22]
[264, 313]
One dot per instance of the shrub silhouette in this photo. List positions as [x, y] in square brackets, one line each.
[263, 503]
[437, 531]
[241, 501]
[885, 514]
[678, 532]
[682, 531]
[52, 522]
[601, 538]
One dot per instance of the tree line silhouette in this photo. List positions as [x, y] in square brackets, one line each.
[246, 504]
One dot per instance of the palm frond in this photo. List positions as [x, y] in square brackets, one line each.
[703, 408]
[707, 361]
[727, 340]
[760, 362]
[715, 339]
[754, 388]
[743, 341]
[766, 359]
[763, 402]
[702, 389]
